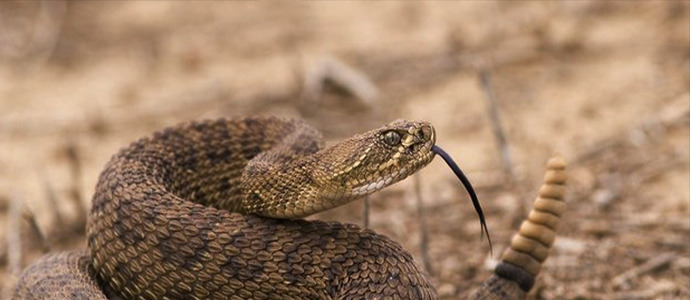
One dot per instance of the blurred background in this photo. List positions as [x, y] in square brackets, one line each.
[505, 84]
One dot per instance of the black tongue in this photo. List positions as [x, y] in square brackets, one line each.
[470, 190]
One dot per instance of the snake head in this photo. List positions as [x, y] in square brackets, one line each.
[373, 160]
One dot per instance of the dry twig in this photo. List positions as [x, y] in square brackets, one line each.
[51, 197]
[423, 233]
[14, 245]
[496, 125]
[649, 292]
[14, 242]
[75, 189]
[334, 71]
[499, 134]
[29, 216]
[651, 265]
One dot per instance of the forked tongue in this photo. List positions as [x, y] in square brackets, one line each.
[468, 186]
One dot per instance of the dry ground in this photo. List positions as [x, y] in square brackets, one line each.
[604, 83]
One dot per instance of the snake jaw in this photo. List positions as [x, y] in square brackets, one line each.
[379, 184]
[383, 181]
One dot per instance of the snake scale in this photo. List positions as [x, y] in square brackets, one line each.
[211, 210]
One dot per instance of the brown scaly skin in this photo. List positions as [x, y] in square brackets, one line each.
[63, 275]
[156, 230]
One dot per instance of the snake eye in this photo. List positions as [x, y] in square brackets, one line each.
[391, 138]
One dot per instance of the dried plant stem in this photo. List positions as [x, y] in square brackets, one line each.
[51, 197]
[75, 190]
[655, 263]
[14, 243]
[29, 216]
[501, 140]
[496, 125]
[334, 71]
[423, 233]
[14, 246]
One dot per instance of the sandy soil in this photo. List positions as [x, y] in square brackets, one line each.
[604, 83]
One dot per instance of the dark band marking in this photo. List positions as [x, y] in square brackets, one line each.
[512, 272]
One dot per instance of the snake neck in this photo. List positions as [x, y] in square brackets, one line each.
[308, 185]
[282, 191]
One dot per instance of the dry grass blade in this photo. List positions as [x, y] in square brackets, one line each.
[423, 232]
[51, 197]
[14, 242]
[331, 70]
[75, 189]
[496, 125]
[14, 245]
[651, 265]
[29, 216]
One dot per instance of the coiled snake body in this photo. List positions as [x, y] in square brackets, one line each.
[209, 210]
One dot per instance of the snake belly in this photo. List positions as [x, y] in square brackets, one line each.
[210, 210]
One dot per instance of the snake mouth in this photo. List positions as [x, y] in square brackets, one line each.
[424, 155]
[379, 183]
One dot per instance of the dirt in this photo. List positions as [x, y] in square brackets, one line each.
[607, 84]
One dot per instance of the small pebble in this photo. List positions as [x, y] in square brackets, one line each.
[603, 198]
[447, 289]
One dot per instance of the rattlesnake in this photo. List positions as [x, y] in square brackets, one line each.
[210, 210]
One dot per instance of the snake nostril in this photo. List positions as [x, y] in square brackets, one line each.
[425, 133]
